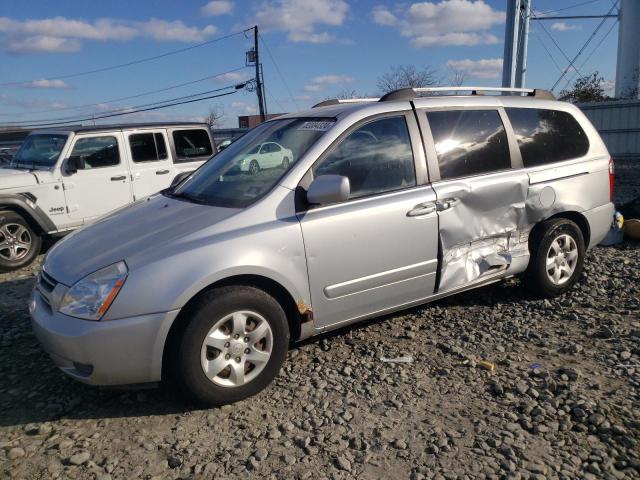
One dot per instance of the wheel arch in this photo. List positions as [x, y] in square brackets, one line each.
[297, 312]
[576, 217]
[35, 216]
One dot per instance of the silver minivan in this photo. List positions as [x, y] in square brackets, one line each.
[384, 204]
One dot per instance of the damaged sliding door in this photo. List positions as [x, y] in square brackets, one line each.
[481, 197]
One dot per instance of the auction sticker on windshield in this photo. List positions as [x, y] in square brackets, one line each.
[316, 126]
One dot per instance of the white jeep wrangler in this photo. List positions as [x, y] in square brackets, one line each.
[60, 180]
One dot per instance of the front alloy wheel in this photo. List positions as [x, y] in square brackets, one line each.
[19, 243]
[233, 345]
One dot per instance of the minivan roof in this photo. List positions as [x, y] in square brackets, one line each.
[373, 106]
[119, 126]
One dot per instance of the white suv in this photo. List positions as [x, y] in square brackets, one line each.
[62, 179]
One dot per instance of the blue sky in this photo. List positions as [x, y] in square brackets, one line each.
[322, 47]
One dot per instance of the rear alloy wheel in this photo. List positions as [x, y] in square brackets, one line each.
[557, 254]
[285, 162]
[233, 346]
[254, 167]
[19, 244]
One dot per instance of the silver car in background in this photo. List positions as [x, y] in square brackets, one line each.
[385, 204]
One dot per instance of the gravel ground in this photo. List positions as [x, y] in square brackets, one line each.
[562, 402]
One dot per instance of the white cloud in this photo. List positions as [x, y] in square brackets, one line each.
[332, 79]
[46, 83]
[447, 23]
[42, 43]
[231, 77]
[60, 34]
[301, 18]
[217, 7]
[319, 83]
[484, 68]
[563, 27]
[244, 108]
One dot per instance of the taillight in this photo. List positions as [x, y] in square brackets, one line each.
[611, 178]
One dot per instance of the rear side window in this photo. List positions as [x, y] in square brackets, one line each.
[546, 136]
[469, 142]
[147, 147]
[191, 143]
[376, 158]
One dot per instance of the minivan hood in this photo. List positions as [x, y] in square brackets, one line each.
[15, 178]
[127, 234]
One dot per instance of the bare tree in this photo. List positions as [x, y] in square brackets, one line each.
[405, 76]
[456, 77]
[215, 115]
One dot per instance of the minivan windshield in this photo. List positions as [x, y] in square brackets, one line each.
[39, 151]
[253, 164]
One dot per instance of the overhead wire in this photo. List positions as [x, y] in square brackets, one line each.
[131, 63]
[275, 64]
[546, 12]
[584, 46]
[143, 94]
[137, 109]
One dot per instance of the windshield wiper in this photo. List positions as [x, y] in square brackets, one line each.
[172, 194]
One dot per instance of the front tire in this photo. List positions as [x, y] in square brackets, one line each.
[254, 167]
[19, 243]
[233, 346]
[557, 251]
[285, 162]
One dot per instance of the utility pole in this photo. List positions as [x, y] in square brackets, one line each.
[516, 39]
[258, 74]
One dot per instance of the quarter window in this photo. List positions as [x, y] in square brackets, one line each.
[469, 142]
[97, 152]
[191, 143]
[546, 136]
[376, 158]
[147, 147]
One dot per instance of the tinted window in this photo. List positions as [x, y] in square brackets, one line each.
[97, 152]
[546, 136]
[275, 147]
[376, 158]
[191, 143]
[147, 147]
[469, 142]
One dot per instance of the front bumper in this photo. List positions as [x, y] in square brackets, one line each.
[113, 352]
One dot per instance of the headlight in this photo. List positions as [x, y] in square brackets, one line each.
[92, 296]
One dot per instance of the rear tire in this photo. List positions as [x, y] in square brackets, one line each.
[557, 258]
[19, 243]
[233, 346]
[285, 162]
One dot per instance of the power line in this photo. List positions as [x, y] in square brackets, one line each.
[592, 52]
[585, 46]
[140, 108]
[131, 63]
[273, 60]
[547, 50]
[559, 48]
[568, 8]
[143, 94]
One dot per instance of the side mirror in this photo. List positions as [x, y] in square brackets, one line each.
[179, 178]
[328, 189]
[75, 163]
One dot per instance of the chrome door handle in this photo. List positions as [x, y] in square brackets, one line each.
[422, 209]
[162, 172]
[118, 178]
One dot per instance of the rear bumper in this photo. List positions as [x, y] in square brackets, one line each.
[600, 220]
[114, 352]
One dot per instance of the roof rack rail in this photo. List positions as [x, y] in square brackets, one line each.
[338, 101]
[412, 93]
